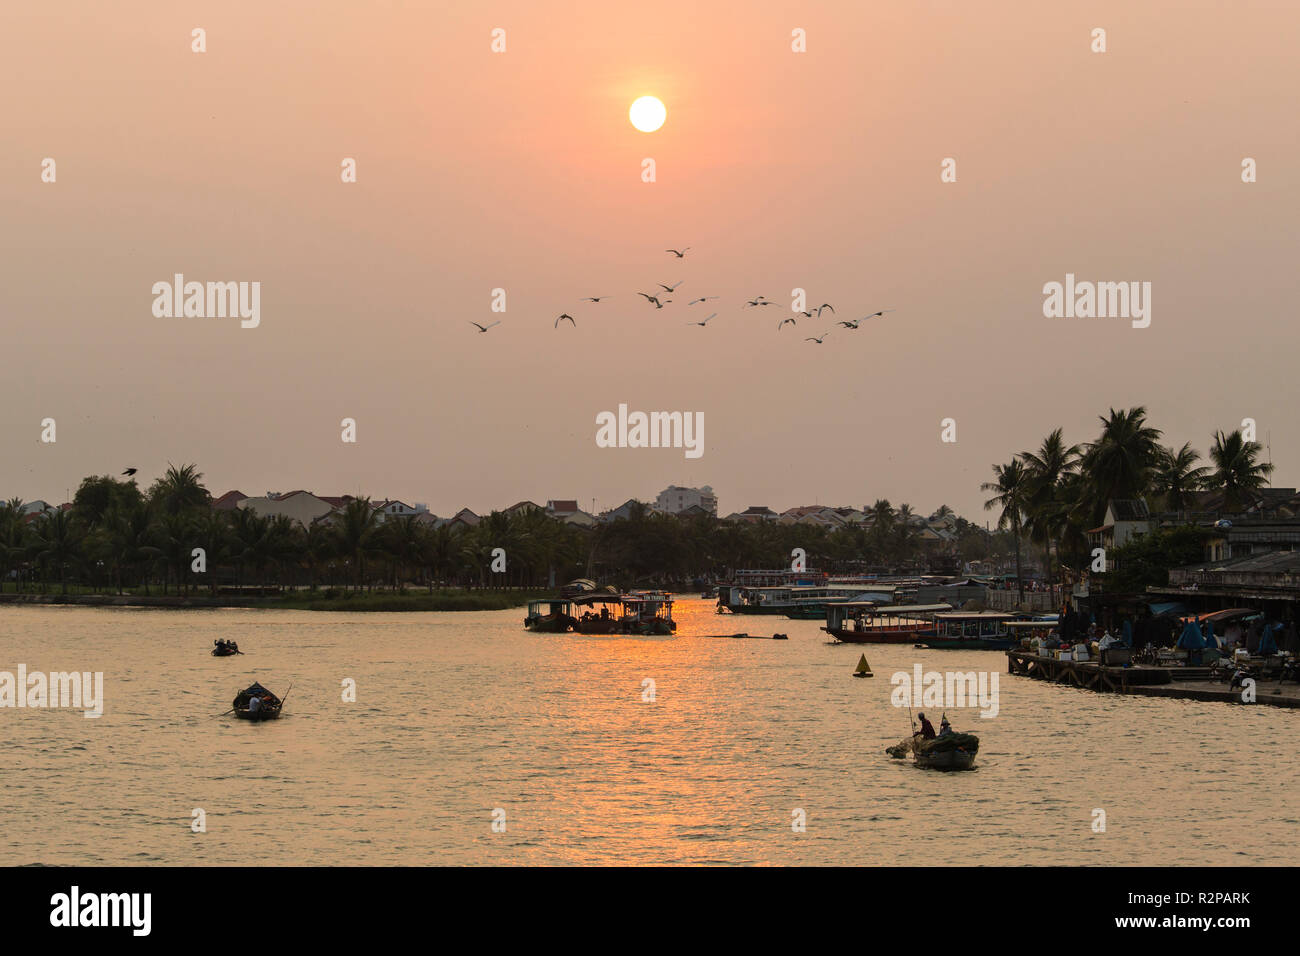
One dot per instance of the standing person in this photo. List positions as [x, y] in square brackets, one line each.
[927, 728]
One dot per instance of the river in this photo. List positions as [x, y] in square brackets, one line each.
[463, 718]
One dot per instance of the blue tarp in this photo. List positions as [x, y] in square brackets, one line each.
[1267, 644]
[1210, 639]
[1168, 607]
[1191, 638]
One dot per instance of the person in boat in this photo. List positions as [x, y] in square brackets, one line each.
[927, 728]
[254, 704]
[945, 728]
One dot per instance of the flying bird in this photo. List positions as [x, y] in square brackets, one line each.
[703, 298]
[806, 315]
[669, 288]
[851, 325]
[655, 300]
[484, 328]
[705, 322]
[593, 298]
[759, 300]
[782, 323]
[824, 305]
[680, 254]
[129, 472]
[876, 315]
[563, 317]
[817, 338]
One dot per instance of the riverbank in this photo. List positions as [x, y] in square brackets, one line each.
[330, 600]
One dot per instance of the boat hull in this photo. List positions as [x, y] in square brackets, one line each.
[849, 636]
[549, 625]
[974, 644]
[948, 760]
[264, 713]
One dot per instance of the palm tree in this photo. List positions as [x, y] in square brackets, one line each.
[354, 532]
[180, 490]
[1120, 463]
[131, 536]
[1011, 483]
[1237, 470]
[1177, 478]
[58, 541]
[1044, 471]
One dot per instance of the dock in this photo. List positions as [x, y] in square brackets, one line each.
[1179, 683]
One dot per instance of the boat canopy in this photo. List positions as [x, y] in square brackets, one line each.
[913, 609]
[974, 616]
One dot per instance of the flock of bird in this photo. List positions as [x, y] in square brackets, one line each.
[658, 301]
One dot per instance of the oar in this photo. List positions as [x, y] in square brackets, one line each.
[215, 716]
[286, 695]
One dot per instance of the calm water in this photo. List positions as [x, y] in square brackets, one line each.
[458, 714]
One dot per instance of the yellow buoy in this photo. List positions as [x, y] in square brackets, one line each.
[863, 668]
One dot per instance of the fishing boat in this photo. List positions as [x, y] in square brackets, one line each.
[945, 752]
[972, 631]
[865, 622]
[225, 649]
[268, 706]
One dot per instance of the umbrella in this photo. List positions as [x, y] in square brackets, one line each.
[1191, 638]
[1210, 639]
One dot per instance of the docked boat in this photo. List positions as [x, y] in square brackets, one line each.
[804, 603]
[865, 622]
[257, 703]
[971, 631]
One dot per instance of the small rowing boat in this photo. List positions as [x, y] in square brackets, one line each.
[257, 703]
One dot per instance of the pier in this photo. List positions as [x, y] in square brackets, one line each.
[1180, 683]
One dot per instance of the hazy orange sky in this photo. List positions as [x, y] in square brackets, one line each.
[520, 170]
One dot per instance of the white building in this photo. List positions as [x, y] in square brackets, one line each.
[674, 499]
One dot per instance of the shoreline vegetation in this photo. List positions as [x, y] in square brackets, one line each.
[325, 599]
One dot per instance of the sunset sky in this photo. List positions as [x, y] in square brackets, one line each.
[520, 170]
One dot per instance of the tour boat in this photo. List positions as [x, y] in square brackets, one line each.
[864, 622]
[550, 616]
[971, 630]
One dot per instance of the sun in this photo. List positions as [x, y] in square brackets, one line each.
[647, 114]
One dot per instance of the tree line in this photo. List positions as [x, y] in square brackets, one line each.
[118, 537]
[1054, 495]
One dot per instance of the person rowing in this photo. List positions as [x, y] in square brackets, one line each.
[927, 728]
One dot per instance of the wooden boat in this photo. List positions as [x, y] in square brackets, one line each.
[863, 622]
[947, 760]
[268, 706]
[228, 649]
[972, 631]
[550, 616]
[648, 613]
[945, 752]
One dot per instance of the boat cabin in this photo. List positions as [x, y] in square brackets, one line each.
[972, 626]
